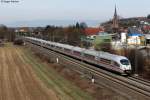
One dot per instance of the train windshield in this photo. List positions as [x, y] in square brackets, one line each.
[124, 62]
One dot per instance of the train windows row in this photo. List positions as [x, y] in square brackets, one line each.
[88, 56]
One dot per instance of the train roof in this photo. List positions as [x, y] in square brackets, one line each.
[113, 57]
[91, 52]
[104, 55]
[49, 42]
[66, 46]
[79, 49]
[60, 45]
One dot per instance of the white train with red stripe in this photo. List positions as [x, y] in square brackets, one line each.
[103, 59]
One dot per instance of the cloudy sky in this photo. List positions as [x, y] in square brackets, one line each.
[27, 11]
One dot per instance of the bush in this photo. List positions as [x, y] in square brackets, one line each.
[106, 47]
[18, 42]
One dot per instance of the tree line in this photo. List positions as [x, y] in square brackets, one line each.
[7, 33]
[68, 35]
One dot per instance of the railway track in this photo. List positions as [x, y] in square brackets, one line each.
[132, 87]
[139, 86]
[140, 80]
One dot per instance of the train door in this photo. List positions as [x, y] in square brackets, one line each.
[97, 59]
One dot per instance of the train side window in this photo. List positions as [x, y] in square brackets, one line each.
[106, 60]
[59, 48]
[89, 56]
[67, 50]
[77, 53]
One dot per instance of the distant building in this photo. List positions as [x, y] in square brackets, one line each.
[90, 34]
[22, 29]
[126, 22]
[102, 38]
[115, 24]
[135, 39]
[123, 37]
[147, 37]
[146, 28]
[92, 31]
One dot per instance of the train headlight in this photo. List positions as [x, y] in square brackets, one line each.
[126, 67]
[123, 68]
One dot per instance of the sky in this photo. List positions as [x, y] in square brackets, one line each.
[42, 12]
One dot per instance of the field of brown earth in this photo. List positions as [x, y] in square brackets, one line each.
[24, 78]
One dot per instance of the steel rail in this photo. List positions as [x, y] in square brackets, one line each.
[140, 80]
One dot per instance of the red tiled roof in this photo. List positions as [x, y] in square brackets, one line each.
[93, 31]
[146, 27]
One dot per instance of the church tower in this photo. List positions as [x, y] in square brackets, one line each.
[115, 24]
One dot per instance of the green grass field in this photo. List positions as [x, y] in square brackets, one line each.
[64, 89]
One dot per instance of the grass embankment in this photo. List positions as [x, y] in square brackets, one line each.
[63, 88]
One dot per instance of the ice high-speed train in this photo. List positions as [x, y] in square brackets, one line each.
[103, 59]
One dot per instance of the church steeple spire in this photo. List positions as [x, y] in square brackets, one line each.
[115, 19]
[115, 14]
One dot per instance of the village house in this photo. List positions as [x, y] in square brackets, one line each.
[135, 39]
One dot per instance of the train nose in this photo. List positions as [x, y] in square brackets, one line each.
[127, 67]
